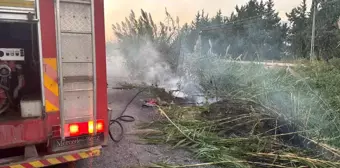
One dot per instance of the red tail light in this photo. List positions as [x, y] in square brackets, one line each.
[77, 129]
[74, 129]
[100, 127]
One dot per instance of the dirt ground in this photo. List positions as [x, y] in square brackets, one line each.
[129, 153]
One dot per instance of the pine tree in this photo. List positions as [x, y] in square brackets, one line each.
[275, 31]
[217, 19]
[298, 35]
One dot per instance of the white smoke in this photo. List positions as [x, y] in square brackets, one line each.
[148, 67]
[151, 69]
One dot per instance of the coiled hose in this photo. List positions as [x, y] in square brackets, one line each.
[122, 118]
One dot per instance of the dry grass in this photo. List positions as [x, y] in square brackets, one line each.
[216, 142]
[268, 118]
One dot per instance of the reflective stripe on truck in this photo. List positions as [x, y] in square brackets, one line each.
[56, 159]
[51, 85]
[17, 3]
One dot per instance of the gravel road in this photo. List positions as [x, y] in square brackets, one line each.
[128, 153]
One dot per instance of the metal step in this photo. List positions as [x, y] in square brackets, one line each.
[75, 32]
[72, 79]
[77, 1]
[76, 62]
[78, 90]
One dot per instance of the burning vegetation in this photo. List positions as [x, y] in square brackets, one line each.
[243, 129]
[231, 113]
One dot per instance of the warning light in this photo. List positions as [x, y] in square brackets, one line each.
[99, 125]
[78, 129]
[74, 129]
[90, 127]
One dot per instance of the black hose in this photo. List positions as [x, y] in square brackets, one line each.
[122, 118]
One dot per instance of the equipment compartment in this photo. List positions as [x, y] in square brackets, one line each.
[19, 70]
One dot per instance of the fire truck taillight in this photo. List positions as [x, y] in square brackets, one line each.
[74, 129]
[77, 129]
[100, 126]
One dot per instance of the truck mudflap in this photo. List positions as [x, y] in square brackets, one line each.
[55, 159]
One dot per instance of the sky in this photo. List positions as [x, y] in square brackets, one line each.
[117, 10]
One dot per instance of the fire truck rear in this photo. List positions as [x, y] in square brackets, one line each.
[53, 97]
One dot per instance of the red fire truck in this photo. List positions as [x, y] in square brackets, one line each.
[53, 97]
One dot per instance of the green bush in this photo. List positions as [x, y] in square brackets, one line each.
[307, 95]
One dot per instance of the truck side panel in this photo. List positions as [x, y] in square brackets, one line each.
[32, 131]
[101, 63]
[49, 52]
[21, 132]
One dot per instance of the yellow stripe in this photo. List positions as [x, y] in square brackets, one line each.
[69, 158]
[36, 164]
[52, 62]
[17, 3]
[53, 161]
[49, 107]
[96, 152]
[16, 166]
[83, 155]
[51, 85]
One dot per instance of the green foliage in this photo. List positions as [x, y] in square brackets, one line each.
[327, 30]
[253, 32]
[298, 34]
[308, 96]
[335, 62]
[325, 79]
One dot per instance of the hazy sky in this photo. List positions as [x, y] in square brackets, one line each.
[117, 10]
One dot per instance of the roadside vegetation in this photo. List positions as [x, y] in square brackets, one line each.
[277, 117]
[271, 118]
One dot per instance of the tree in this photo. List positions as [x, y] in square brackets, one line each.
[254, 32]
[298, 33]
[259, 30]
[275, 32]
[327, 33]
